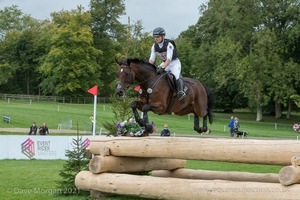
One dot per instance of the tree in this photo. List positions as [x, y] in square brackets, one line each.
[243, 45]
[109, 36]
[70, 67]
[13, 19]
[76, 163]
[18, 34]
[121, 110]
[138, 43]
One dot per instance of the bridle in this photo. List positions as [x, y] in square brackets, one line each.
[149, 90]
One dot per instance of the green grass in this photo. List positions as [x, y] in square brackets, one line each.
[36, 179]
[23, 113]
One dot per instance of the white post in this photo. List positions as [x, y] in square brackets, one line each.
[95, 107]
[104, 107]
[30, 101]
[8, 100]
[57, 108]
[275, 126]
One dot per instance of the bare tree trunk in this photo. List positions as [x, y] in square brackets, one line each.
[288, 115]
[27, 82]
[258, 109]
[278, 110]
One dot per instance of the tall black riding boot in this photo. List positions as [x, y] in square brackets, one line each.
[180, 93]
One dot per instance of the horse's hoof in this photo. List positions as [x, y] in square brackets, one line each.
[207, 132]
[199, 130]
[149, 128]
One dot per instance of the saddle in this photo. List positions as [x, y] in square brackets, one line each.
[173, 86]
[173, 83]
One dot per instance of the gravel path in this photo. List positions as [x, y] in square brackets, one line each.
[25, 130]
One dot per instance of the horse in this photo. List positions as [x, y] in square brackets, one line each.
[158, 94]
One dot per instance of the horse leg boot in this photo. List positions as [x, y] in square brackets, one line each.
[196, 124]
[204, 128]
[136, 115]
[180, 93]
[148, 127]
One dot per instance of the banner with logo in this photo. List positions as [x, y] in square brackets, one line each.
[37, 147]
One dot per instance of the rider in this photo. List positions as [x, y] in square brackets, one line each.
[167, 52]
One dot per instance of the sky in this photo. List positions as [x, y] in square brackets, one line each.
[174, 16]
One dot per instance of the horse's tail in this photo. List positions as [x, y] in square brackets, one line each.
[210, 103]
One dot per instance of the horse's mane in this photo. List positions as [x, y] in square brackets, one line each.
[137, 60]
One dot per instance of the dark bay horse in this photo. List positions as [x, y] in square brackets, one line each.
[158, 95]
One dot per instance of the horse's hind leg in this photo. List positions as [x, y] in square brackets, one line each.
[204, 128]
[196, 124]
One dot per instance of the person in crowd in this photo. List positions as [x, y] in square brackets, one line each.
[92, 122]
[33, 129]
[166, 50]
[43, 130]
[165, 131]
[231, 126]
[236, 125]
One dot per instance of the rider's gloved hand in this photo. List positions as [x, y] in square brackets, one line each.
[161, 64]
[160, 70]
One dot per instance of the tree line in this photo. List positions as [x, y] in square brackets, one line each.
[247, 52]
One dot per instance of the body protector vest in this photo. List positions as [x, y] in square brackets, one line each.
[162, 52]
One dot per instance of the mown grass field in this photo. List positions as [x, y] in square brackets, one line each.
[23, 113]
[36, 179]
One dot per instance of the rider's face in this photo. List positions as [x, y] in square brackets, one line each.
[158, 39]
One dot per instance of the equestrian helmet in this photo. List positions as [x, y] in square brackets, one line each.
[159, 31]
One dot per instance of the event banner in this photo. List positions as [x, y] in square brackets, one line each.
[38, 147]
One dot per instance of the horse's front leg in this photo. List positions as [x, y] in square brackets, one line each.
[148, 127]
[136, 115]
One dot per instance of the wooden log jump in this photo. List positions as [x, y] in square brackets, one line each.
[291, 174]
[182, 189]
[276, 152]
[100, 164]
[217, 175]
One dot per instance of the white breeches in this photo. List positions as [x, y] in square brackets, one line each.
[175, 68]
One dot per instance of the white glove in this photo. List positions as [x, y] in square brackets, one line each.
[161, 64]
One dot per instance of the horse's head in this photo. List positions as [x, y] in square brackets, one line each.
[125, 76]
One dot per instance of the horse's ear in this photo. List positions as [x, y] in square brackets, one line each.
[117, 62]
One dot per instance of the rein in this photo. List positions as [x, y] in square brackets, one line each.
[150, 89]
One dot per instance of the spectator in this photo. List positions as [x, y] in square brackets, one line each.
[92, 121]
[165, 131]
[236, 124]
[33, 129]
[231, 126]
[43, 130]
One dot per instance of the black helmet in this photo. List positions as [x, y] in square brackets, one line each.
[159, 31]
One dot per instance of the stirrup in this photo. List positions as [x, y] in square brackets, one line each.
[181, 96]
